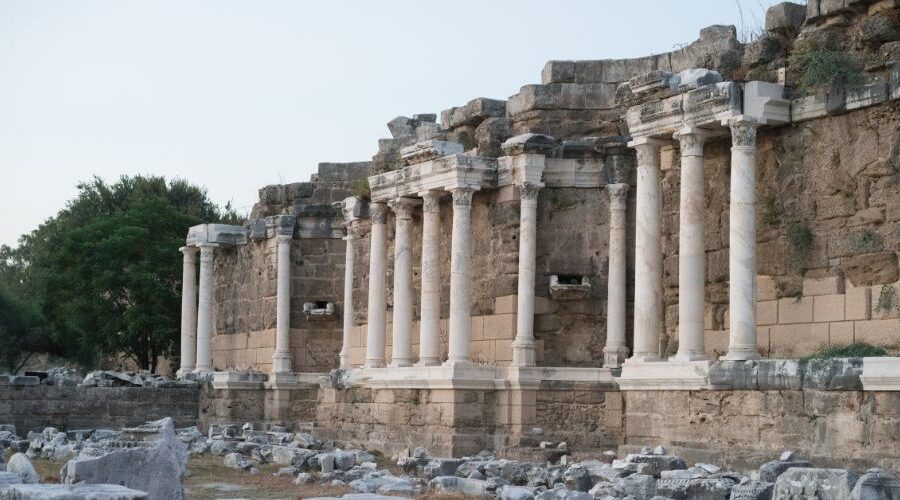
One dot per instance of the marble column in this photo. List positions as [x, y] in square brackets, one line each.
[401, 348]
[349, 262]
[460, 325]
[691, 247]
[742, 242]
[377, 308]
[188, 310]
[281, 360]
[523, 345]
[616, 349]
[648, 252]
[430, 318]
[204, 309]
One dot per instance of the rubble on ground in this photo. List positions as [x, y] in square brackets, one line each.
[109, 378]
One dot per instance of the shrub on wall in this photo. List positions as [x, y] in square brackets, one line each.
[819, 70]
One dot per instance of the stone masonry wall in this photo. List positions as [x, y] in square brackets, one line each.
[31, 408]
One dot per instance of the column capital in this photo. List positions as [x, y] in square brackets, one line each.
[284, 238]
[431, 200]
[379, 213]
[647, 150]
[691, 140]
[403, 207]
[618, 195]
[189, 251]
[743, 131]
[462, 196]
[528, 191]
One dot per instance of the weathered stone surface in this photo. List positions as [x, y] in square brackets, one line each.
[752, 490]
[156, 466]
[695, 489]
[452, 485]
[442, 467]
[71, 492]
[770, 471]
[21, 466]
[473, 113]
[785, 17]
[876, 484]
[871, 269]
[824, 484]
[837, 374]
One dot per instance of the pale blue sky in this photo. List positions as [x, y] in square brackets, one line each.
[234, 95]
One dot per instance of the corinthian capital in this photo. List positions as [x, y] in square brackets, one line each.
[691, 141]
[529, 191]
[743, 132]
[462, 197]
[379, 213]
[618, 195]
[403, 207]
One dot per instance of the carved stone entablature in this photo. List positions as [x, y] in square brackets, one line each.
[280, 225]
[429, 150]
[528, 144]
[454, 171]
[651, 82]
[705, 106]
[353, 208]
[221, 234]
[765, 103]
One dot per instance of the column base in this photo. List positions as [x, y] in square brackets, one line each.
[374, 363]
[665, 375]
[613, 357]
[345, 361]
[741, 354]
[400, 363]
[281, 362]
[184, 371]
[464, 362]
[690, 356]
[639, 359]
[428, 362]
[523, 355]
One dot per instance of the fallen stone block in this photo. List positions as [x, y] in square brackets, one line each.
[655, 464]
[453, 484]
[153, 461]
[21, 466]
[876, 484]
[695, 489]
[442, 467]
[752, 490]
[71, 492]
[560, 492]
[823, 484]
[770, 471]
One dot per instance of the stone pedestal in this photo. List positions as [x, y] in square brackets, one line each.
[204, 310]
[281, 360]
[742, 242]
[648, 253]
[377, 309]
[460, 321]
[403, 313]
[523, 346]
[691, 246]
[429, 325]
[188, 311]
[616, 349]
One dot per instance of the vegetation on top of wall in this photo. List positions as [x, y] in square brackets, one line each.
[854, 350]
[361, 188]
[819, 70]
[865, 240]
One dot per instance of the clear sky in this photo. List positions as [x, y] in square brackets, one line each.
[234, 95]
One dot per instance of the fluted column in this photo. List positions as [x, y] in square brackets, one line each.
[691, 246]
[188, 310]
[430, 318]
[460, 321]
[281, 360]
[349, 262]
[616, 349]
[401, 349]
[204, 310]
[377, 275]
[742, 242]
[648, 253]
[523, 346]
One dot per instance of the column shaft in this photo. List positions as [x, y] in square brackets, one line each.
[430, 327]
[281, 360]
[616, 348]
[524, 346]
[188, 311]
[691, 248]
[460, 322]
[377, 313]
[401, 352]
[349, 261]
[204, 310]
[742, 242]
[648, 253]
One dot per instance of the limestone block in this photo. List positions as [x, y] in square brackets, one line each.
[866, 95]
[766, 288]
[836, 374]
[752, 490]
[868, 216]
[825, 484]
[506, 304]
[858, 303]
[871, 269]
[840, 333]
[808, 108]
[21, 466]
[792, 310]
[785, 17]
[876, 483]
[829, 285]
[779, 374]
[797, 339]
[765, 102]
[473, 113]
[767, 312]
[558, 72]
[770, 471]
[70, 492]
[477, 328]
[828, 308]
[877, 331]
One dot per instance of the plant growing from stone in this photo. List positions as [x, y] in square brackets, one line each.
[820, 70]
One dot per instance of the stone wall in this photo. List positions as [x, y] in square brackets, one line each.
[31, 408]
[238, 406]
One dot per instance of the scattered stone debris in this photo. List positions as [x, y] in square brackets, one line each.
[107, 378]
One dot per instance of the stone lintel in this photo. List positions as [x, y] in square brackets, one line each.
[528, 143]
[353, 208]
[527, 169]
[223, 234]
[457, 376]
[766, 103]
[448, 172]
[881, 374]
[705, 107]
[238, 380]
[665, 375]
[429, 150]
[280, 225]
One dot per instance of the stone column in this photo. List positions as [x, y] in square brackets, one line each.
[648, 253]
[281, 360]
[523, 346]
[430, 321]
[460, 322]
[616, 349]
[349, 262]
[188, 311]
[742, 242]
[204, 310]
[691, 247]
[401, 352]
[377, 301]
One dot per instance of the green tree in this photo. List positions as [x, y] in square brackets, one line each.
[105, 272]
[21, 332]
